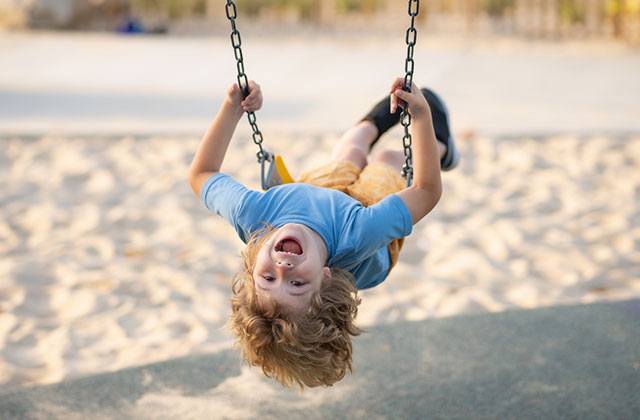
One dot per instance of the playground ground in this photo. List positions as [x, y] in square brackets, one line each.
[108, 261]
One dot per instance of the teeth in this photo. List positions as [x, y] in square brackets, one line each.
[285, 252]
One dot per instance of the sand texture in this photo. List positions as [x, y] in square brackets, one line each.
[107, 259]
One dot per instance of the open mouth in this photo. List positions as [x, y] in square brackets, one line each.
[289, 246]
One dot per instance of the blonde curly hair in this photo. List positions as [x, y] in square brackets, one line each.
[310, 349]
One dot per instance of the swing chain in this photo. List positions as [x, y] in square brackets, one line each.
[243, 82]
[410, 39]
[405, 118]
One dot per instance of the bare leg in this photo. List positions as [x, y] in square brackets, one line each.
[354, 144]
[395, 158]
[442, 149]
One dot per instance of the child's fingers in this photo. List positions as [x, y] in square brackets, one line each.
[253, 97]
[414, 88]
[398, 82]
[253, 104]
[248, 101]
[403, 98]
[233, 89]
[251, 100]
[400, 98]
[254, 88]
[401, 94]
[396, 101]
[252, 107]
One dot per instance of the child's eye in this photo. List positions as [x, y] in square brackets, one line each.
[268, 278]
[296, 283]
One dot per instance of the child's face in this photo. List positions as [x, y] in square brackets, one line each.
[290, 267]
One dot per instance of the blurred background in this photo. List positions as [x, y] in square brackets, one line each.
[108, 260]
[551, 19]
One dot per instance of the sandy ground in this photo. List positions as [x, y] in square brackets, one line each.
[107, 260]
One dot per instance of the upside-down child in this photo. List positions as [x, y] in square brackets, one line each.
[312, 244]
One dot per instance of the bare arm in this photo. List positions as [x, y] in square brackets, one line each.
[213, 147]
[425, 192]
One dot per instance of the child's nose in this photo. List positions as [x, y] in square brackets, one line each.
[284, 264]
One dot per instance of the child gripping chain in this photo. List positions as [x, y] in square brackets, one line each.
[312, 244]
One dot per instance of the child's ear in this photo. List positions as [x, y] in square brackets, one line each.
[326, 272]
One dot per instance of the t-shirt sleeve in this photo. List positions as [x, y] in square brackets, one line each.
[377, 225]
[223, 195]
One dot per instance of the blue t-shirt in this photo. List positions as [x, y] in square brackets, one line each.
[356, 236]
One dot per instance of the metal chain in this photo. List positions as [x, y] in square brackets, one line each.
[405, 117]
[243, 81]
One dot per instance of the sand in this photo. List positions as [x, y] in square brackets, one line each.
[107, 259]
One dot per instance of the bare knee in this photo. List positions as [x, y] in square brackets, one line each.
[351, 154]
[393, 158]
[354, 144]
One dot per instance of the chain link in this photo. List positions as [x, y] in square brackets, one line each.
[243, 82]
[411, 38]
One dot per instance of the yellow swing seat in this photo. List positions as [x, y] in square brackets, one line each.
[276, 173]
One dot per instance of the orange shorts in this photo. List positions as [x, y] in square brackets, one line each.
[369, 185]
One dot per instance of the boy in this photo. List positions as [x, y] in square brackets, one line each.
[312, 244]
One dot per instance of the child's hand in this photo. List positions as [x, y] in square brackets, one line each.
[417, 103]
[251, 103]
